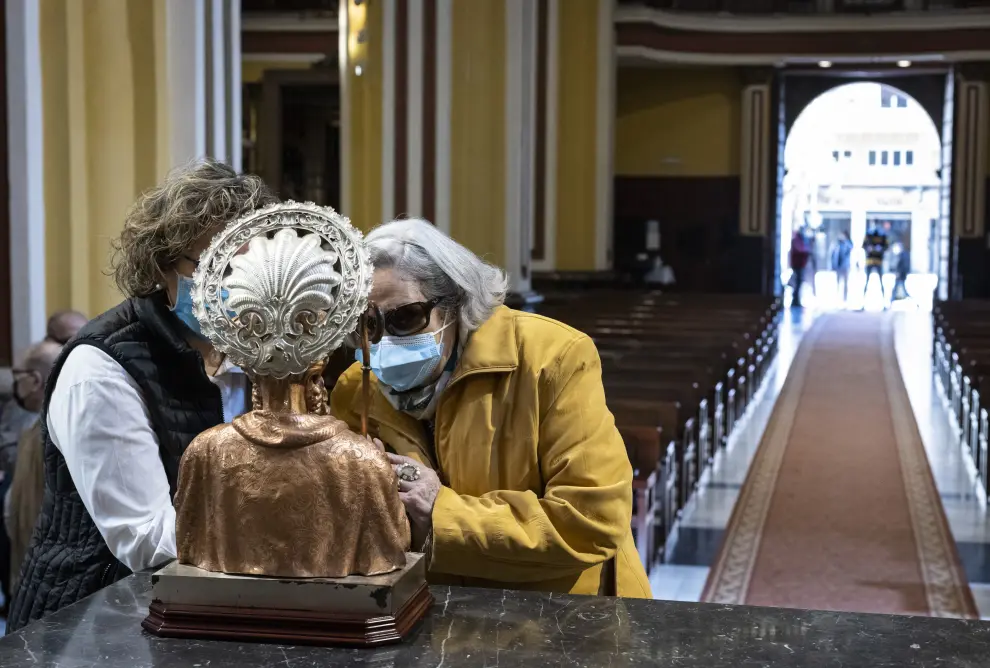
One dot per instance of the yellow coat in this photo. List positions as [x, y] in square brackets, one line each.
[537, 485]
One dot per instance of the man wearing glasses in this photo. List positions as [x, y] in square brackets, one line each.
[63, 325]
[30, 376]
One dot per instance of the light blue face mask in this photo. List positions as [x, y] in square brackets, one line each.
[406, 362]
[183, 308]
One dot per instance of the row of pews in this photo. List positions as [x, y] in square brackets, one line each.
[961, 359]
[679, 372]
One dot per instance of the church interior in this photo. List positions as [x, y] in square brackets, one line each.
[702, 189]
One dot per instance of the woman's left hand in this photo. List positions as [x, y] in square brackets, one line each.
[418, 495]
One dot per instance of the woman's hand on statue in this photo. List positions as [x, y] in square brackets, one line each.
[417, 495]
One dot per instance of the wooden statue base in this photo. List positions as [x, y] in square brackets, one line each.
[188, 602]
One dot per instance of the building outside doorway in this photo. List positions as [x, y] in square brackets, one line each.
[860, 156]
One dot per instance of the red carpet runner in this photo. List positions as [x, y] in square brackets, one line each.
[839, 510]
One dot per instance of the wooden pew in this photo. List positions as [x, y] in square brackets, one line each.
[961, 360]
[678, 371]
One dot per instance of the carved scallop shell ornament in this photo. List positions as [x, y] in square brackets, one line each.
[280, 288]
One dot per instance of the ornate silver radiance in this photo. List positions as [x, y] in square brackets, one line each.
[280, 288]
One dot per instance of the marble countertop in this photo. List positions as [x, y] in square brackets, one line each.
[473, 627]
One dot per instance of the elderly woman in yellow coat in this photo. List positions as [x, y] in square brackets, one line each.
[509, 463]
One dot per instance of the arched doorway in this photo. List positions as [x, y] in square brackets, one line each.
[859, 156]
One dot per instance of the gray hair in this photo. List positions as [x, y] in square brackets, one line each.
[443, 268]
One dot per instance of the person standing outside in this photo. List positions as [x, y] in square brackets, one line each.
[841, 263]
[799, 262]
[902, 267]
[875, 244]
[811, 269]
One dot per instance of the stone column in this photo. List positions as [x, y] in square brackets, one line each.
[203, 78]
[459, 123]
[468, 100]
[129, 90]
[580, 89]
[25, 165]
[520, 114]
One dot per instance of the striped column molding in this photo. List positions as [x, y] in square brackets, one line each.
[754, 170]
[969, 169]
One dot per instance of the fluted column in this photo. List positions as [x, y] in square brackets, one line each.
[26, 177]
[471, 101]
[581, 97]
[520, 150]
[202, 78]
[459, 122]
[129, 90]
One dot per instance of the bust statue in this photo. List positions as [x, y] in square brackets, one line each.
[286, 490]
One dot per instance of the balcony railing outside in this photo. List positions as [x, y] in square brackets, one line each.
[749, 7]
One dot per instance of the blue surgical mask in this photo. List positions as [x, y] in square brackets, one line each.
[183, 308]
[406, 362]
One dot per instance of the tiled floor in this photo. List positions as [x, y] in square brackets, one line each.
[950, 465]
[705, 519]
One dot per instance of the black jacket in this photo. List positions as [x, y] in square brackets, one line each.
[68, 559]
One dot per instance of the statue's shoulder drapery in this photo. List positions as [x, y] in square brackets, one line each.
[291, 496]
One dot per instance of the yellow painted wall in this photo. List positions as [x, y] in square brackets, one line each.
[101, 66]
[576, 134]
[477, 133]
[364, 97]
[678, 122]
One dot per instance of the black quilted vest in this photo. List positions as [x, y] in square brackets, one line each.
[68, 559]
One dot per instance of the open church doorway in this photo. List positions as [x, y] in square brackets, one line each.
[864, 159]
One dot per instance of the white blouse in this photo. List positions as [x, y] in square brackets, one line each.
[98, 419]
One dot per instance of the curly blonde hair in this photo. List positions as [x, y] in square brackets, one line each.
[168, 219]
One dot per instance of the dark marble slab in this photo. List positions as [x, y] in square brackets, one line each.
[472, 627]
[696, 546]
[976, 560]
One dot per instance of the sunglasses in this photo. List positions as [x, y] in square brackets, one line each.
[404, 320]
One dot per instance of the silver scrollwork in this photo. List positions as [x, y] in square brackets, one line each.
[280, 288]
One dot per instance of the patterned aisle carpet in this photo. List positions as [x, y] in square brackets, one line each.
[839, 510]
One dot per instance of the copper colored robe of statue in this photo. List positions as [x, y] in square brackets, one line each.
[285, 492]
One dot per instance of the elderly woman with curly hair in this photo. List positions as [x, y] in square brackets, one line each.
[127, 396]
[509, 463]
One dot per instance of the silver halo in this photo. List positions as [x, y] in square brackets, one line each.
[292, 299]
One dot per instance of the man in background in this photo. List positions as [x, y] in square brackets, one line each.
[22, 508]
[799, 262]
[875, 244]
[902, 267]
[63, 325]
[841, 263]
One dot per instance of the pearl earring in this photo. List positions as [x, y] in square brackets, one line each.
[158, 286]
